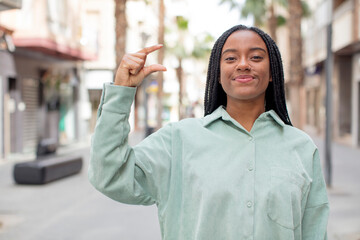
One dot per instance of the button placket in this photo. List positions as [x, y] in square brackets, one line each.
[250, 165]
[250, 176]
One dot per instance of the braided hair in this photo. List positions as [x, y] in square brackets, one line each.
[215, 96]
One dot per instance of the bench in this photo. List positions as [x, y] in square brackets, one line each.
[48, 166]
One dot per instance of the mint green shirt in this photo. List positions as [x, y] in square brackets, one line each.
[209, 177]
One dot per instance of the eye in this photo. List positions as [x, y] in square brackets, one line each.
[230, 59]
[256, 57]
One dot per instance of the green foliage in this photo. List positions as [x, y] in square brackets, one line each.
[283, 3]
[202, 47]
[258, 9]
[233, 4]
[180, 52]
[182, 23]
[281, 20]
[255, 8]
[306, 12]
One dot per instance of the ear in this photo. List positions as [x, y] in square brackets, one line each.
[270, 79]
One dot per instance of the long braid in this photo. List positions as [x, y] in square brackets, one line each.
[215, 96]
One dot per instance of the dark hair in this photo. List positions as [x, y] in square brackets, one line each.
[215, 96]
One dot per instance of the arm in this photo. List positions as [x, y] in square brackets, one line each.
[116, 169]
[316, 213]
[138, 175]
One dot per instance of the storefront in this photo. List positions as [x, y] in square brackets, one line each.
[7, 74]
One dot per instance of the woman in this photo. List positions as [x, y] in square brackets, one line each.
[241, 172]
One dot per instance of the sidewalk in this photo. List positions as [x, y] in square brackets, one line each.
[344, 195]
[64, 149]
[69, 208]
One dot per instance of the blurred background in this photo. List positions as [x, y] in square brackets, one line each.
[55, 56]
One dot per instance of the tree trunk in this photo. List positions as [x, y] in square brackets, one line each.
[272, 23]
[179, 73]
[120, 29]
[296, 70]
[160, 76]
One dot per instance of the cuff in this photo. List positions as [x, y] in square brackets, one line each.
[117, 99]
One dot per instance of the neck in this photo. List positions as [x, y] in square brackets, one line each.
[245, 112]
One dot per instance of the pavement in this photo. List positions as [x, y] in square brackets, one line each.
[71, 208]
[344, 194]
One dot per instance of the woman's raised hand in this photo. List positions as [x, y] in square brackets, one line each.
[132, 70]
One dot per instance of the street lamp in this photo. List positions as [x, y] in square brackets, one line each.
[329, 62]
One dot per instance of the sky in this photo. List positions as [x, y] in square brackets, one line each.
[214, 18]
[208, 16]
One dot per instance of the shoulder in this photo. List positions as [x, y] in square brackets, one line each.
[188, 124]
[182, 125]
[301, 139]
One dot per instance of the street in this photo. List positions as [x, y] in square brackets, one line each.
[344, 196]
[71, 208]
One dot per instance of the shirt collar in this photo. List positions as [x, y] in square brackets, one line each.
[276, 117]
[213, 116]
[220, 112]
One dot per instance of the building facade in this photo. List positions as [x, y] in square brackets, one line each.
[43, 96]
[346, 71]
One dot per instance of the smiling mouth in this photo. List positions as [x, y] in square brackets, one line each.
[243, 78]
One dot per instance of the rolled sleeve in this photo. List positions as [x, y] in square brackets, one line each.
[316, 213]
[115, 168]
[116, 99]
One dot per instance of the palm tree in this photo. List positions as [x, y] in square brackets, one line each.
[258, 9]
[296, 69]
[120, 29]
[180, 52]
[160, 76]
[201, 51]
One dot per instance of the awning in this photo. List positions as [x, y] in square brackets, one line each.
[52, 48]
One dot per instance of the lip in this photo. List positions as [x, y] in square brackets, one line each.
[243, 78]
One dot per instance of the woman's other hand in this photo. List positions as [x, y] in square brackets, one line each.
[132, 70]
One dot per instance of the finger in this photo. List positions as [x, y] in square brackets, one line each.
[153, 68]
[151, 49]
[131, 65]
[135, 59]
[139, 61]
[139, 55]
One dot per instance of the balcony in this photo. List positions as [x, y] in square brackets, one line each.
[343, 25]
[10, 4]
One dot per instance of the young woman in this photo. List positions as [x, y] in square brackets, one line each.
[240, 172]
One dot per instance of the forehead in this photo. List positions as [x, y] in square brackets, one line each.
[244, 38]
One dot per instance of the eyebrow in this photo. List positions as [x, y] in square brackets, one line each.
[251, 49]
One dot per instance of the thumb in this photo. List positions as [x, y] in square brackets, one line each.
[153, 68]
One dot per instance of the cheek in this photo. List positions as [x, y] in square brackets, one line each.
[225, 73]
[222, 77]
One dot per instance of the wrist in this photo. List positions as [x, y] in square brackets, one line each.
[123, 83]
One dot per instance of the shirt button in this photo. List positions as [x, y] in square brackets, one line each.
[249, 204]
[250, 138]
[250, 168]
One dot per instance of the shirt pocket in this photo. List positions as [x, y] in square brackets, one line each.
[284, 200]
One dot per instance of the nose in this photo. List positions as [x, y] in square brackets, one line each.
[243, 64]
